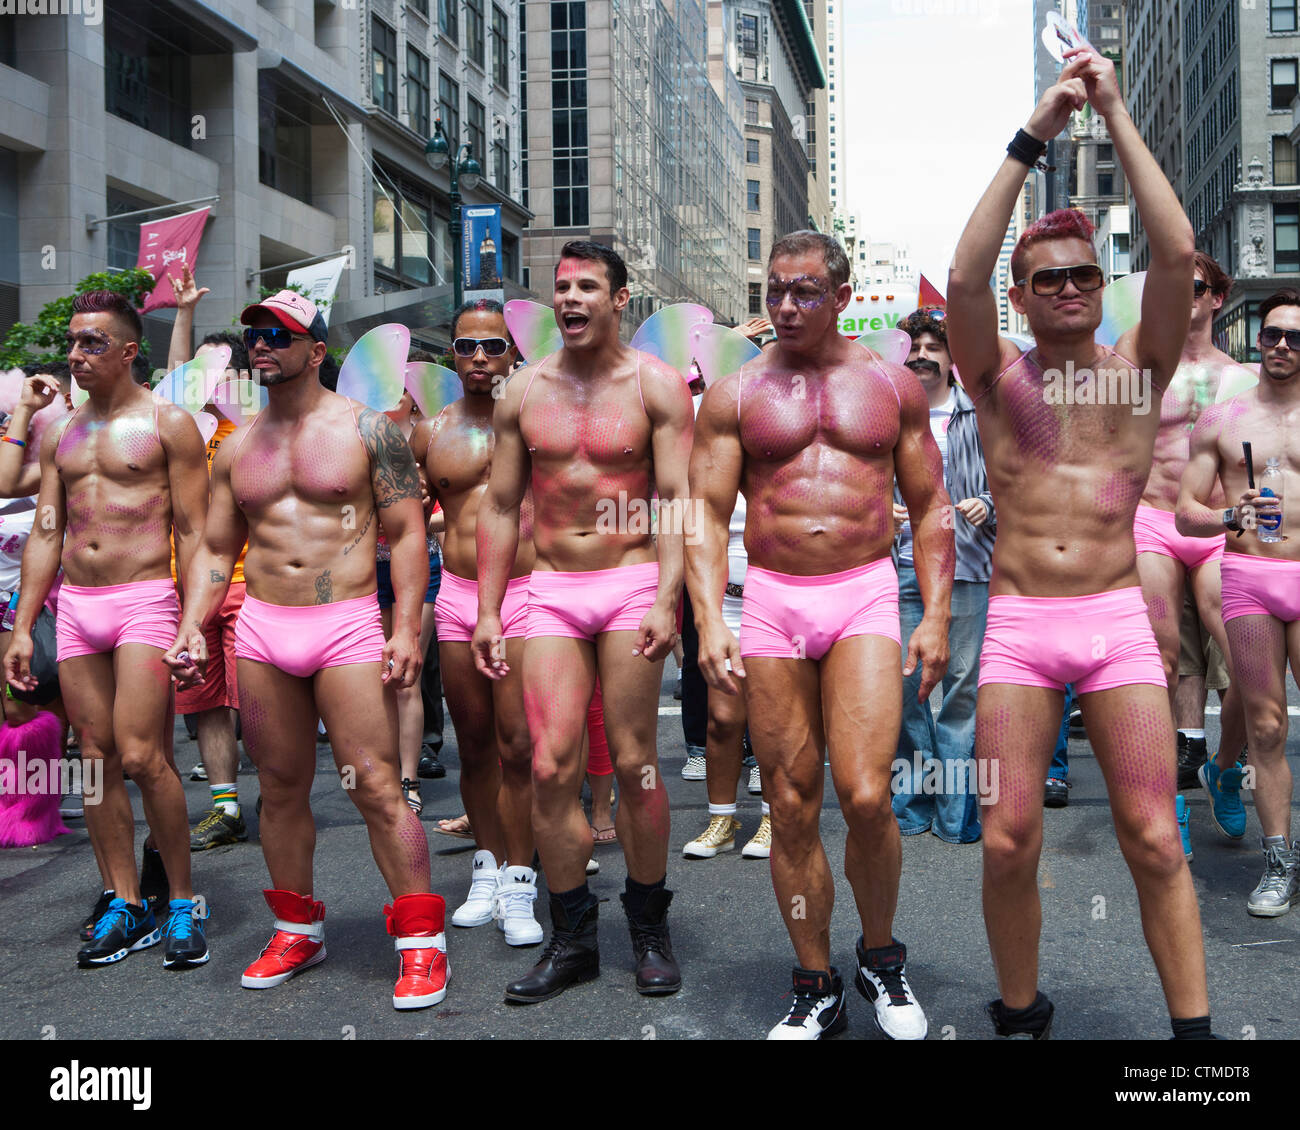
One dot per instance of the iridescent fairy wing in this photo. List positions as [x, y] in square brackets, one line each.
[533, 329]
[374, 371]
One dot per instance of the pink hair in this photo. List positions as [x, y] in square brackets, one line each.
[1064, 223]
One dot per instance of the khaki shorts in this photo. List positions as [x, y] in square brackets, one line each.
[1198, 653]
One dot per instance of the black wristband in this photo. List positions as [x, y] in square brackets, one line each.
[1026, 149]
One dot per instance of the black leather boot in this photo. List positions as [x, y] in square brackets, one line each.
[570, 958]
[656, 969]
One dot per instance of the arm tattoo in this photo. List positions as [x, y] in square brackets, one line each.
[216, 576]
[324, 588]
[356, 541]
[393, 470]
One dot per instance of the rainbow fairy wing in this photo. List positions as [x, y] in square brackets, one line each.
[719, 351]
[1235, 381]
[432, 386]
[667, 333]
[240, 400]
[190, 386]
[533, 329]
[207, 424]
[1121, 308]
[892, 345]
[374, 371]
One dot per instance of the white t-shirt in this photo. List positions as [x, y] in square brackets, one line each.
[16, 518]
[940, 418]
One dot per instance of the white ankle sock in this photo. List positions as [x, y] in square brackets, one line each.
[722, 809]
[1192, 733]
[766, 810]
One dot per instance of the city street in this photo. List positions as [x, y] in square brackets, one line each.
[733, 949]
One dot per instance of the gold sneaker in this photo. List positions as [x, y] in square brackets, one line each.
[760, 847]
[719, 836]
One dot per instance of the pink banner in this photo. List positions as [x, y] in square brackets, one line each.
[166, 247]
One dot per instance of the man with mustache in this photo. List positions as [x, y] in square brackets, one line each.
[952, 813]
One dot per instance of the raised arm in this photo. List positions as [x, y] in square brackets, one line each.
[918, 467]
[187, 478]
[18, 477]
[977, 350]
[497, 532]
[180, 349]
[717, 462]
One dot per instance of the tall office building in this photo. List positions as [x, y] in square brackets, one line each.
[821, 166]
[307, 120]
[1057, 184]
[631, 145]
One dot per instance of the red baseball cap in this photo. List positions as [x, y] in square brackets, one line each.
[292, 311]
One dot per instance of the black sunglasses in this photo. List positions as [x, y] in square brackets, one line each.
[1051, 280]
[277, 337]
[468, 346]
[1199, 287]
[1271, 336]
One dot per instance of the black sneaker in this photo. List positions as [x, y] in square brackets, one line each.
[430, 768]
[187, 946]
[87, 930]
[1191, 756]
[122, 929]
[882, 979]
[818, 1010]
[1000, 1029]
[218, 828]
[1056, 793]
[154, 888]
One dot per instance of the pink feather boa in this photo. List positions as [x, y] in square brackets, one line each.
[27, 820]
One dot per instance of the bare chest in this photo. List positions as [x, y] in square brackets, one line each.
[313, 466]
[783, 415]
[607, 429]
[123, 452]
[460, 458]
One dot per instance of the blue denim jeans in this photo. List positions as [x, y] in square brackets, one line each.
[1060, 769]
[949, 738]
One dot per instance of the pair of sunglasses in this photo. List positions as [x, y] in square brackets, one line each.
[1051, 280]
[1199, 287]
[1271, 336]
[491, 346]
[277, 337]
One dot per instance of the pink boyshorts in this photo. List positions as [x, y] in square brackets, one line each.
[1154, 531]
[1096, 641]
[96, 619]
[583, 605]
[304, 639]
[787, 617]
[1260, 586]
[456, 611]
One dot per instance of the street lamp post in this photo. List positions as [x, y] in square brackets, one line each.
[464, 170]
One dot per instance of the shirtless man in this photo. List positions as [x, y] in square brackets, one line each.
[1166, 561]
[814, 432]
[119, 477]
[302, 485]
[455, 450]
[1261, 579]
[1065, 602]
[594, 429]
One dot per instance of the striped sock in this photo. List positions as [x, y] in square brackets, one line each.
[226, 798]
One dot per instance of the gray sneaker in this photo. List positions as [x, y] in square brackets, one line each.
[694, 769]
[1279, 889]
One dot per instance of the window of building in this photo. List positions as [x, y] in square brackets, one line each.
[383, 66]
[417, 91]
[123, 235]
[410, 243]
[449, 19]
[1105, 184]
[752, 195]
[1105, 153]
[1284, 163]
[476, 131]
[283, 137]
[1286, 238]
[755, 298]
[1282, 15]
[146, 80]
[755, 243]
[751, 150]
[501, 158]
[569, 113]
[500, 48]
[747, 45]
[1283, 84]
[421, 6]
[751, 111]
[474, 31]
[449, 110]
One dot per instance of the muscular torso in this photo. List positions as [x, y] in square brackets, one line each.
[818, 464]
[458, 462]
[1192, 390]
[589, 442]
[1271, 430]
[306, 491]
[117, 495]
[1066, 480]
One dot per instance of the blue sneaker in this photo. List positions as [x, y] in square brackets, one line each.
[122, 929]
[186, 944]
[1224, 788]
[1184, 825]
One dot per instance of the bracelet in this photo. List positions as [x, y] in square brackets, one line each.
[1028, 151]
[15, 442]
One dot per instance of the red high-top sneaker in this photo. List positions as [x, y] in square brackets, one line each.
[416, 922]
[297, 944]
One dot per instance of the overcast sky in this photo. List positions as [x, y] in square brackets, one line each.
[934, 90]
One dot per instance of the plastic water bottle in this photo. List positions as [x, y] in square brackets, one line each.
[1270, 486]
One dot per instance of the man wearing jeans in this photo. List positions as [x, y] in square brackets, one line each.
[942, 798]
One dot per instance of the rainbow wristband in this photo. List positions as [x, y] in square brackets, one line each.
[15, 442]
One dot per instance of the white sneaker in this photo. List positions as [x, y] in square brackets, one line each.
[755, 783]
[513, 908]
[898, 1015]
[818, 1009]
[198, 773]
[477, 907]
[694, 769]
[760, 847]
[593, 866]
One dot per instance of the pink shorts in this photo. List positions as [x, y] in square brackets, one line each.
[1154, 531]
[1260, 586]
[303, 639]
[456, 612]
[787, 617]
[1098, 641]
[581, 606]
[92, 620]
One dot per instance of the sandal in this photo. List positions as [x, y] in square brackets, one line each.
[604, 835]
[411, 791]
[458, 827]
